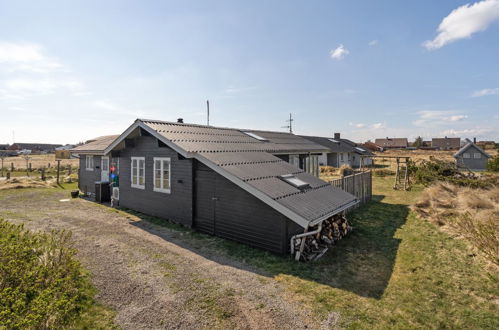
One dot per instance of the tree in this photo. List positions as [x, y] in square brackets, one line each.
[418, 142]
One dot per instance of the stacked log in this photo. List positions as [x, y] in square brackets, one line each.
[333, 229]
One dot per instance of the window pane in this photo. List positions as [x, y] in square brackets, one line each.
[166, 174]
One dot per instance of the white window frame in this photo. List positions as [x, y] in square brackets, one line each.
[294, 160]
[477, 155]
[161, 179]
[89, 162]
[466, 155]
[137, 171]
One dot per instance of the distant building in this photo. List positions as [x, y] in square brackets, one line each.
[446, 143]
[4, 146]
[34, 147]
[471, 157]
[394, 143]
[486, 144]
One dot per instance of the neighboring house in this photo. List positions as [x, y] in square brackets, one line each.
[4, 146]
[396, 143]
[486, 144]
[341, 151]
[471, 157]
[227, 182]
[446, 143]
[34, 147]
[95, 162]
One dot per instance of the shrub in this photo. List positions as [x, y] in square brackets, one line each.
[434, 170]
[493, 164]
[41, 283]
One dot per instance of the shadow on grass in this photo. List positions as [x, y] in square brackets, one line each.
[361, 263]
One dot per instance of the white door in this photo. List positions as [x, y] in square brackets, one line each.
[104, 169]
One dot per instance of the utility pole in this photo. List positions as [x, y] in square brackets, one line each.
[290, 125]
[208, 112]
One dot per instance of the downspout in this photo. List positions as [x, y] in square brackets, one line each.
[305, 234]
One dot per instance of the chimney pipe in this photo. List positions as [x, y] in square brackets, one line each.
[337, 136]
[474, 140]
[180, 120]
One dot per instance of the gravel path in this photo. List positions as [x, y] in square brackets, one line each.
[156, 277]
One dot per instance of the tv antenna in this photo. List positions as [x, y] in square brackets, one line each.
[208, 112]
[290, 125]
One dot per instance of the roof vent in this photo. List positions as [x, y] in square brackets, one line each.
[294, 181]
[180, 120]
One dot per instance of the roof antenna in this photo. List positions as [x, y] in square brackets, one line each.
[208, 112]
[290, 125]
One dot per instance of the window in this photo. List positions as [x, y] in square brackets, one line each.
[360, 149]
[294, 181]
[294, 160]
[162, 175]
[466, 155]
[333, 140]
[341, 156]
[477, 155]
[138, 172]
[89, 163]
[255, 136]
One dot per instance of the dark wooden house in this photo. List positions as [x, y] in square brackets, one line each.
[233, 183]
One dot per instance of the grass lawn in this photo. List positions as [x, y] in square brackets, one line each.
[395, 270]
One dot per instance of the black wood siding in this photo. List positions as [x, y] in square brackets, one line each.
[235, 214]
[87, 179]
[176, 206]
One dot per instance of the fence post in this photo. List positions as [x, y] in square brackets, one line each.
[58, 169]
[12, 167]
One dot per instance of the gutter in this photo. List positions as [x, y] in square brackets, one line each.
[298, 253]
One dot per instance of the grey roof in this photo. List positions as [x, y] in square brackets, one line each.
[467, 146]
[446, 142]
[95, 146]
[392, 142]
[339, 146]
[250, 163]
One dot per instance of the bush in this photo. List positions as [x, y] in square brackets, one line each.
[493, 164]
[434, 170]
[41, 283]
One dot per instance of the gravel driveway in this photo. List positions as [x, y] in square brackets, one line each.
[157, 277]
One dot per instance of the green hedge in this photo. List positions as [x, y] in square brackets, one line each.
[42, 285]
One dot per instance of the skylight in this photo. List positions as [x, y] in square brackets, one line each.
[255, 136]
[333, 140]
[294, 181]
[360, 149]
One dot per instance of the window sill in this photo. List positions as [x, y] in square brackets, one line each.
[138, 187]
[164, 191]
[89, 169]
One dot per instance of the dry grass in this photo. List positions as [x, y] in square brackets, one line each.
[470, 213]
[329, 173]
[37, 161]
[19, 183]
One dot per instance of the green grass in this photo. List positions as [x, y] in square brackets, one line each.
[393, 271]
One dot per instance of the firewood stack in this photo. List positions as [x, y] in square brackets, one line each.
[333, 229]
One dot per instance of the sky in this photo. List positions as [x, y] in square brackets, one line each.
[74, 70]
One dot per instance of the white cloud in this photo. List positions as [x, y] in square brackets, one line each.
[22, 88]
[358, 125]
[485, 92]
[463, 22]
[378, 126]
[437, 117]
[373, 43]
[468, 132]
[27, 57]
[339, 53]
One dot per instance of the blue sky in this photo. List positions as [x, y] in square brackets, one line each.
[73, 70]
